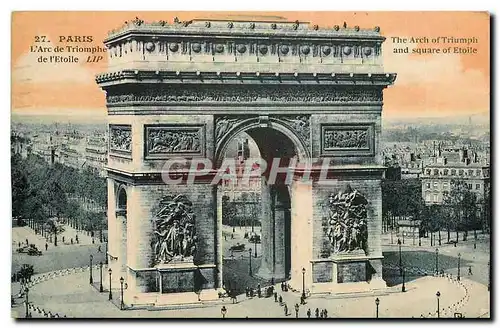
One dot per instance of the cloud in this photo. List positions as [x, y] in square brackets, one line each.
[29, 70]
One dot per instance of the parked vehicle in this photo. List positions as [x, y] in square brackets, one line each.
[237, 248]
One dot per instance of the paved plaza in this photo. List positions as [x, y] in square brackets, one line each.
[78, 299]
[69, 293]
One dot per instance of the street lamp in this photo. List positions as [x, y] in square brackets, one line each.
[403, 288]
[488, 275]
[223, 311]
[400, 260]
[91, 280]
[121, 293]
[250, 261]
[27, 290]
[304, 283]
[110, 295]
[101, 288]
[437, 256]
[106, 252]
[437, 295]
[458, 276]
[377, 302]
[255, 245]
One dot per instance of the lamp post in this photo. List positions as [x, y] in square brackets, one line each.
[488, 275]
[377, 302]
[437, 295]
[110, 295]
[91, 280]
[106, 252]
[255, 245]
[250, 261]
[101, 288]
[437, 263]
[304, 283]
[400, 259]
[27, 290]
[223, 311]
[403, 288]
[458, 275]
[121, 293]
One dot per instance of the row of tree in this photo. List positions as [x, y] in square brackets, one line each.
[46, 195]
[461, 209]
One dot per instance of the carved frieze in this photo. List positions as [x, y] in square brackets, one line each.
[223, 124]
[300, 124]
[347, 221]
[248, 94]
[345, 140]
[173, 140]
[175, 235]
[120, 138]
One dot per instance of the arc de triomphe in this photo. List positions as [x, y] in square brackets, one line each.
[185, 90]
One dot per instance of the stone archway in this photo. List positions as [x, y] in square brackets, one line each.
[276, 141]
[183, 90]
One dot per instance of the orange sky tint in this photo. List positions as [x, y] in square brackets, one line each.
[427, 85]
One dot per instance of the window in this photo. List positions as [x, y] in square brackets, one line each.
[478, 186]
[471, 173]
[470, 185]
[445, 185]
[428, 185]
[428, 171]
[427, 197]
[453, 171]
[436, 172]
[478, 172]
[436, 185]
[435, 198]
[445, 172]
[460, 172]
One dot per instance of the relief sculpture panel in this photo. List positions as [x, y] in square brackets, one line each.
[175, 235]
[162, 140]
[120, 138]
[347, 221]
[347, 140]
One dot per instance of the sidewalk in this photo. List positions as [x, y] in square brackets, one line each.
[20, 234]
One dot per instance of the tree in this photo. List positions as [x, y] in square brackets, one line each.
[462, 204]
[54, 227]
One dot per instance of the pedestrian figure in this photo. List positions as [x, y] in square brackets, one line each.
[275, 297]
[272, 282]
[92, 240]
[325, 314]
[309, 313]
[470, 270]
[232, 236]
[281, 299]
[99, 249]
[26, 241]
[63, 239]
[321, 314]
[286, 310]
[259, 293]
[19, 244]
[46, 246]
[302, 300]
[317, 313]
[225, 237]
[71, 241]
